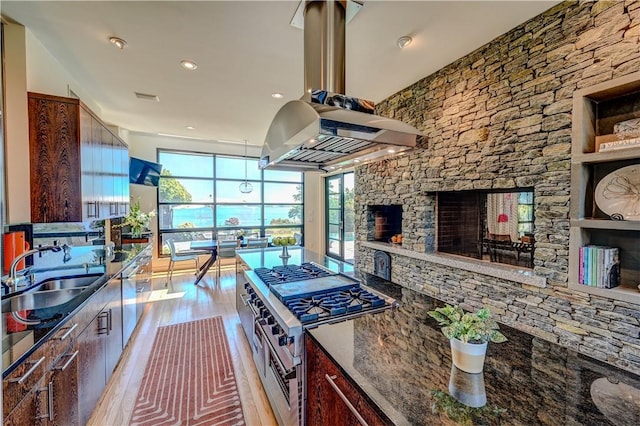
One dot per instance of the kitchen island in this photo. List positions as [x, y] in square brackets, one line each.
[401, 361]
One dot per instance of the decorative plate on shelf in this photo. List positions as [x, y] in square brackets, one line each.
[618, 193]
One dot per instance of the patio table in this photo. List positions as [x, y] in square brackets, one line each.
[210, 246]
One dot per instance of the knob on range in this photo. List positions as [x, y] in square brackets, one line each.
[275, 329]
[284, 340]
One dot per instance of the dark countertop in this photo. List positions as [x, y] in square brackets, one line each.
[270, 257]
[19, 341]
[402, 361]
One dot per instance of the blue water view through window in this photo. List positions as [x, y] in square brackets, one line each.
[199, 198]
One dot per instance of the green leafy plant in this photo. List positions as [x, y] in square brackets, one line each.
[461, 414]
[137, 220]
[468, 327]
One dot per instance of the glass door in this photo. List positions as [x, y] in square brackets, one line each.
[340, 217]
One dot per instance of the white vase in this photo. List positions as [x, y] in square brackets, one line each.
[467, 388]
[285, 253]
[468, 357]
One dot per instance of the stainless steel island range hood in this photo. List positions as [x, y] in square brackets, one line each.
[326, 130]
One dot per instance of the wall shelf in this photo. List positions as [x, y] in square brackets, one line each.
[596, 109]
[602, 157]
[621, 225]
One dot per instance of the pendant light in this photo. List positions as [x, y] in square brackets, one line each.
[245, 187]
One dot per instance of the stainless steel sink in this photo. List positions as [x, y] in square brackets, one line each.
[61, 283]
[34, 300]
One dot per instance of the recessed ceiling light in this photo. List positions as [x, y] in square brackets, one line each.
[356, 161]
[404, 41]
[188, 65]
[277, 95]
[391, 151]
[118, 42]
[190, 128]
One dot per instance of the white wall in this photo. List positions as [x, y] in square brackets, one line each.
[17, 126]
[314, 221]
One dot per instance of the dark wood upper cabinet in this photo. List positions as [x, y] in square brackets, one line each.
[74, 177]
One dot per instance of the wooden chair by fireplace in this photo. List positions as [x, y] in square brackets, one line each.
[501, 249]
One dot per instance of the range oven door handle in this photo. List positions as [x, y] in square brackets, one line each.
[344, 399]
[273, 352]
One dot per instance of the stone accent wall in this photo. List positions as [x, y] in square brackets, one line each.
[500, 117]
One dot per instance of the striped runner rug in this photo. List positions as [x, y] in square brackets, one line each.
[189, 378]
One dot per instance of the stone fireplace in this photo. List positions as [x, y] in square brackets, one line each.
[500, 120]
[384, 222]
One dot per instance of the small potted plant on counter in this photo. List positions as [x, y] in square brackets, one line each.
[469, 334]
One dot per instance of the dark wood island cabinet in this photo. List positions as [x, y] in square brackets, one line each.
[332, 399]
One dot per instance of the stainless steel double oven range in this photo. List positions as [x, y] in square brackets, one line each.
[276, 302]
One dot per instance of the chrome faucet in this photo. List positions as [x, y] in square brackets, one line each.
[12, 281]
[67, 253]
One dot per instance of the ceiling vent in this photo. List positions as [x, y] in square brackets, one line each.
[147, 97]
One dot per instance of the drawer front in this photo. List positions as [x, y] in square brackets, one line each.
[20, 382]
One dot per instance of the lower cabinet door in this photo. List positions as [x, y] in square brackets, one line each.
[113, 338]
[64, 388]
[25, 413]
[91, 366]
[331, 398]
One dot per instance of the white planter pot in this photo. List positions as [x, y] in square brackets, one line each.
[467, 388]
[468, 357]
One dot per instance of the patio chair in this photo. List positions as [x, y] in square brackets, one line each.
[176, 257]
[226, 250]
[257, 242]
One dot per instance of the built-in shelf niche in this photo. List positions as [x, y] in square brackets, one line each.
[595, 110]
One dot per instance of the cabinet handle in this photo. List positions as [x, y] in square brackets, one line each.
[26, 375]
[68, 333]
[342, 396]
[101, 329]
[110, 320]
[95, 209]
[69, 361]
[49, 390]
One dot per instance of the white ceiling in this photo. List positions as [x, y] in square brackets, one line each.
[245, 50]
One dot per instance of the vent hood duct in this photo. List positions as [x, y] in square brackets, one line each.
[326, 130]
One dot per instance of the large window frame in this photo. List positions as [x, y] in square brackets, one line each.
[268, 198]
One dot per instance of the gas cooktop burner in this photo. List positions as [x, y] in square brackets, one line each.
[333, 303]
[291, 273]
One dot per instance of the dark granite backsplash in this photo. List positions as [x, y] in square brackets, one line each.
[403, 355]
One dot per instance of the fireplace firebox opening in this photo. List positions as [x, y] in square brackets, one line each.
[384, 222]
[489, 225]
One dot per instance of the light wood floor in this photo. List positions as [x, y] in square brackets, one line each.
[181, 301]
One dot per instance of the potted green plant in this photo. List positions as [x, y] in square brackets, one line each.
[468, 334]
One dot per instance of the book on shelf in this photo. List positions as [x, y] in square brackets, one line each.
[599, 266]
[619, 144]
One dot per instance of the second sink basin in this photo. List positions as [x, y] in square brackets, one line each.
[40, 299]
[61, 283]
